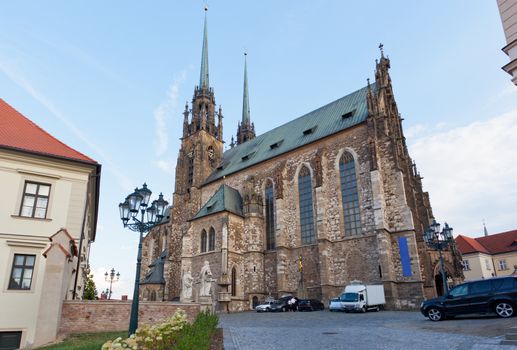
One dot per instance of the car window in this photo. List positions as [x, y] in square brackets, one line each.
[505, 284]
[461, 290]
[480, 287]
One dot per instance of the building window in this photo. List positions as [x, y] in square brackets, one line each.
[466, 265]
[35, 200]
[349, 195]
[190, 162]
[203, 241]
[211, 239]
[306, 209]
[488, 265]
[10, 340]
[21, 274]
[502, 265]
[234, 282]
[270, 216]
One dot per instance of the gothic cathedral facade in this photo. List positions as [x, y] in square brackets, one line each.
[326, 199]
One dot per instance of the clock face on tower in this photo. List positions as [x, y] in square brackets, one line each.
[190, 154]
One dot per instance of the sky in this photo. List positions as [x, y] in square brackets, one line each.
[111, 79]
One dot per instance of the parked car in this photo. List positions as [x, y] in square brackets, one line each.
[497, 295]
[335, 305]
[266, 307]
[281, 304]
[310, 305]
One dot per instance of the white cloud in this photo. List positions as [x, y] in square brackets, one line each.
[167, 166]
[414, 130]
[19, 79]
[163, 113]
[471, 173]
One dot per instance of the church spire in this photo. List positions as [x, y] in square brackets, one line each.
[245, 129]
[203, 77]
[245, 98]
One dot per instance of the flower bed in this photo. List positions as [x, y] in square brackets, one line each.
[174, 333]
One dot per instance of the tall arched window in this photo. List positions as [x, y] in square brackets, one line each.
[234, 282]
[306, 209]
[211, 239]
[349, 195]
[203, 241]
[270, 216]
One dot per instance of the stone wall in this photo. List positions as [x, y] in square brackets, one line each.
[104, 316]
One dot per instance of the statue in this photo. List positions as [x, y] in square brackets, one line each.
[186, 291]
[206, 280]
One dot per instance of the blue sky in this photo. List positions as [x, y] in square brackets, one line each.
[111, 79]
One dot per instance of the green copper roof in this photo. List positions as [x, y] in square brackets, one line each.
[322, 122]
[245, 98]
[203, 77]
[225, 198]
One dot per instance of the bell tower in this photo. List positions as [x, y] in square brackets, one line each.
[202, 142]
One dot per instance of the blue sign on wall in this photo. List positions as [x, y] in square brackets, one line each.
[404, 256]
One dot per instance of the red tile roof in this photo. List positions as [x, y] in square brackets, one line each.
[492, 244]
[19, 133]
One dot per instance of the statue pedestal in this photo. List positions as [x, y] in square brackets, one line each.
[206, 304]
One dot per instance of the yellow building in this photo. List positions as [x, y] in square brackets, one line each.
[488, 256]
[47, 221]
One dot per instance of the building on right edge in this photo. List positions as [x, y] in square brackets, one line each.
[508, 12]
[489, 256]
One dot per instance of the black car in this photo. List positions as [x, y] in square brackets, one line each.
[497, 295]
[310, 305]
[281, 304]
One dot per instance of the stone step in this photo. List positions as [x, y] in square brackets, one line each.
[509, 342]
[511, 336]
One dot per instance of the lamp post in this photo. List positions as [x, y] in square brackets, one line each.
[111, 277]
[138, 202]
[439, 240]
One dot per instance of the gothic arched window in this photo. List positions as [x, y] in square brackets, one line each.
[190, 168]
[203, 241]
[211, 239]
[306, 209]
[349, 195]
[270, 216]
[234, 282]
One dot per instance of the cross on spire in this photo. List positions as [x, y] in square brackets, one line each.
[381, 47]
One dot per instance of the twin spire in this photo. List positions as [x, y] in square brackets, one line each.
[246, 129]
[203, 77]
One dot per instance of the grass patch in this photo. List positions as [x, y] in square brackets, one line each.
[84, 341]
[198, 334]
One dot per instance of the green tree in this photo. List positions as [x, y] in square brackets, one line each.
[90, 292]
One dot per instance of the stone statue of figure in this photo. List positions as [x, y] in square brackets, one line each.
[186, 290]
[206, 280]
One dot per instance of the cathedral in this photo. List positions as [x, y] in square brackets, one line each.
[304, 209]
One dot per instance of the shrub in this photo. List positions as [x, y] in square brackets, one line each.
[174, 333]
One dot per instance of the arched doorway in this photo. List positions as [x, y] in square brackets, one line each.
[438, 283]
[255, 302]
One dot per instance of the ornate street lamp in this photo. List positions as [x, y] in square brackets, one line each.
[111, 277]
[136, 202]
[439, 240]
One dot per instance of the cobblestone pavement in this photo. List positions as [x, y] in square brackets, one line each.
[374, 330]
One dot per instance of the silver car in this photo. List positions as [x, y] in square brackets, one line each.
[266, 307]
[335, 305]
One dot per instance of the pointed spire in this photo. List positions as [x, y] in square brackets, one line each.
[245, 97]
[203, 78]
[484, 229]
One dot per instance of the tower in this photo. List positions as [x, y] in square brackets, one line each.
[202, 142]
[245, 129]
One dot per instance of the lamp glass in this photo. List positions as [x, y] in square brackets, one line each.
[134, 199]
[151, 213]
[146, 195]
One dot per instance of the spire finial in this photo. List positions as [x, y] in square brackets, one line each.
[485, 231]
[381, 47]
[203, 78]
[245, 97]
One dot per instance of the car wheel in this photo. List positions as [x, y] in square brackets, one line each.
[284, 309]
[377, 309]
[363, 309]
[435, 314]
[504, 309]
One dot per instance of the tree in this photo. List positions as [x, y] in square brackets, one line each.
[90, 292]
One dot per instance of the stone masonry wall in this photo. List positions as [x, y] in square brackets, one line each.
[103, 316]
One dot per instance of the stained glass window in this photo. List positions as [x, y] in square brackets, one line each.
[306, 209]
[349, 195]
